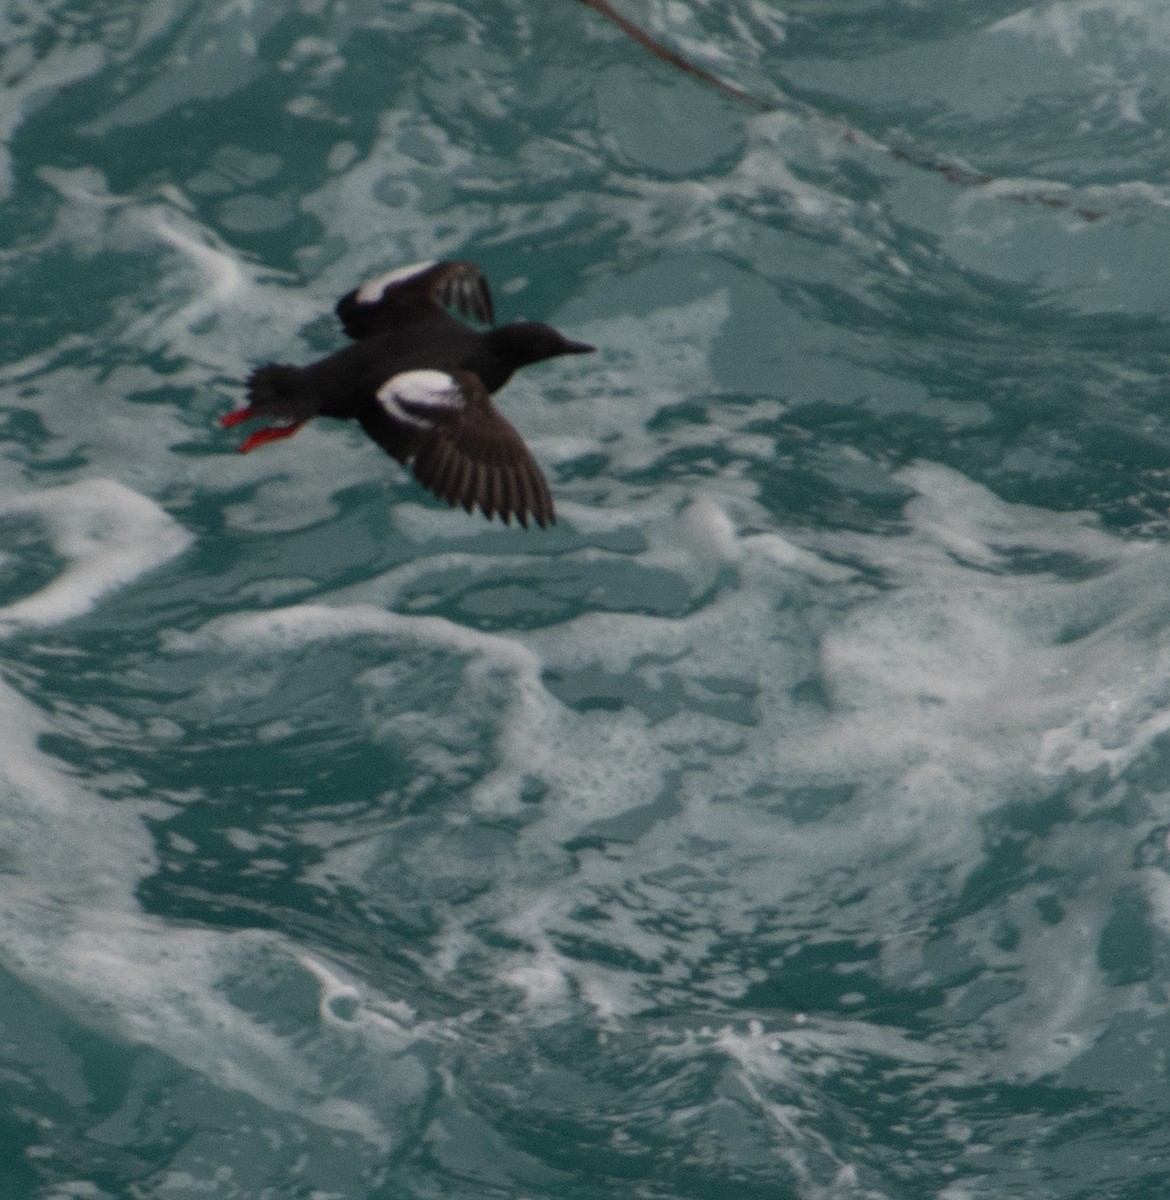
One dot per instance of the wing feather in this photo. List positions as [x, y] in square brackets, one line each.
[445, 464]
[390, 300]
[475, 457]
[459, 445]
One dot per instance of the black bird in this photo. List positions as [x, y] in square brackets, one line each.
[418, 380]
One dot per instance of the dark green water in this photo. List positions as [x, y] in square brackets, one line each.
[791, 820]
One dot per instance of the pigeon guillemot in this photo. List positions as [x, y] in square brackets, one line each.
[418, 381]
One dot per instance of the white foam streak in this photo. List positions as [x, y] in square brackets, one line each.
[710, 525]
[110, 535]
[286, 628]
[1072, 25]
[221, 270]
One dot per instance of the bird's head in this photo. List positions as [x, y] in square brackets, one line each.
[524, 342]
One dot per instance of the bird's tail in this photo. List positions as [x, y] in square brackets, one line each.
[273, 391]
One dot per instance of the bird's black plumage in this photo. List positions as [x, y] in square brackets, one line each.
[418, 381]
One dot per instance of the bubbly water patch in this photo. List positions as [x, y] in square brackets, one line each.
[832, 703]
[1012, 614]
[944, 673]
[286, 630]
[109, 536]
[1075, 30]
[205, 287]
[29, 78]
[710, 525]
[360, 194]
[213, 53]
[73, 931]
[247, 305]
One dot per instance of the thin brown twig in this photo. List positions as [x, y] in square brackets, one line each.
[669, 56]
[951, 173]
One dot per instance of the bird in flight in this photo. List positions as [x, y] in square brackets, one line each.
[419, 382]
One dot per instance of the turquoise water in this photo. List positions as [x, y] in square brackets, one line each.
[789, 821]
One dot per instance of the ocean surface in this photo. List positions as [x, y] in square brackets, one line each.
[791, 820]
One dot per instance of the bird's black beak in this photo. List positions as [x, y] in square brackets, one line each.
[578, 348]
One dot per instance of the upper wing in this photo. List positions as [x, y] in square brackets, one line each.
[463, 449]
[389, 300]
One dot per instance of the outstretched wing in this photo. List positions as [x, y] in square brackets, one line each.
[392, 299]
[462, 448]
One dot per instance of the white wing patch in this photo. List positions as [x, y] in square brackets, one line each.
[374, 289]
[419, 398]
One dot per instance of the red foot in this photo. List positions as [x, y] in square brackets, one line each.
[261, 436]
[234, 418]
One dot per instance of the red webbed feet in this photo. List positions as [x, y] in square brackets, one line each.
[261, 436]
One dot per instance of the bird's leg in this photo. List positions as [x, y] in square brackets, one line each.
[261, 436]
[234, 418]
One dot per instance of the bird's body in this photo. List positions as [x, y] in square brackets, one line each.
[419, 381]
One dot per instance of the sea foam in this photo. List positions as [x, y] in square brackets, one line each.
[109, 535]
